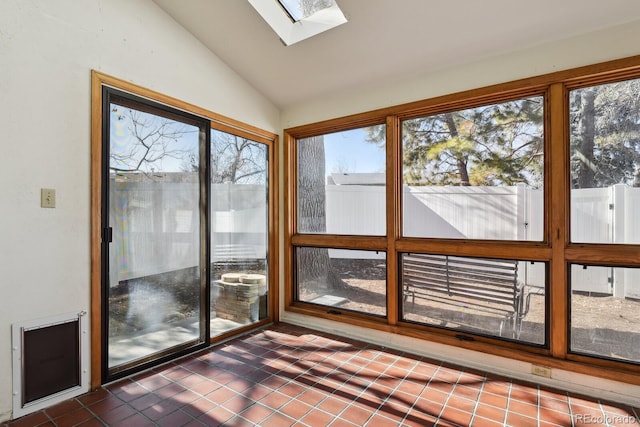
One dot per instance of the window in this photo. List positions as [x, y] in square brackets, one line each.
[605, 312]
[504, 219]
[299, 10]
[239, 203]
[476, 173]
[605, 162]
[604, 172]
[341, 198]
[494, 297]
[343, 279]
[341, 182]
[294, 21]
[154, 285]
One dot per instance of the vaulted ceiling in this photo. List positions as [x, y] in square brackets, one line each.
[385, 40]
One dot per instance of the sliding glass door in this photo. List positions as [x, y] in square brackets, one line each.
[154, 286]
[239, 200]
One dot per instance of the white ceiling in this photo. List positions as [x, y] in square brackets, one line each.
[385, 40]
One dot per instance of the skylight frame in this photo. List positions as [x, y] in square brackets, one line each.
[291, 13]
[289, 31]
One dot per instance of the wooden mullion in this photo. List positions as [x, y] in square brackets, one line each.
[604, 254]
[527, 251]
[557, 206]
[274, 230]
[290, 185]
[340, 242]
[394, 216]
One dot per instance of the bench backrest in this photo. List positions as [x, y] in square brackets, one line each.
[488, 283]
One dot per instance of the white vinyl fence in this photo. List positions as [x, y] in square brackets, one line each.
[156, 223]
[606, 215]
[600, 215]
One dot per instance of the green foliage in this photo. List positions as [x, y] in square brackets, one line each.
[498, 144]
[605, 135]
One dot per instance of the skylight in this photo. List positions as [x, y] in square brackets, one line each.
[300, 9]
[296, 20]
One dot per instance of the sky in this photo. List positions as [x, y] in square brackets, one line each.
[349, 151]
[293, 6]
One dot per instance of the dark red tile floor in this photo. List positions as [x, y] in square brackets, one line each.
[291, 376]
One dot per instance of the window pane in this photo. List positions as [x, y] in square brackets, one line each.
[154, 289]
[341, 183]
[475, 173]
[605, 312]
[239, 227]
[343, 279]
[502, 298]
[605, 163]
[299, 10]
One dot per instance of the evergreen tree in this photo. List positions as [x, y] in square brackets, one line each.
[498, 144]
[605, 135]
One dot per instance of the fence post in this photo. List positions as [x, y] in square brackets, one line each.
[522, 220]
[618, 193]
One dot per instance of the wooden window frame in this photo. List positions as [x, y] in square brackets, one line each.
[555, 248]
[218, 122]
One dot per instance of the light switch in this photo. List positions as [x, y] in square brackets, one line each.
[47, 198]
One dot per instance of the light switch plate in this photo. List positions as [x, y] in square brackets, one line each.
[47, 198]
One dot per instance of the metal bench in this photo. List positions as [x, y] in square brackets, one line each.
[234, 255]
[488, 286]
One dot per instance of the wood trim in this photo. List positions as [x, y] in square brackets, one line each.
[609, 255]
[394, 212]
[274, 231]
[556, 248]
[618, 69]
[338, 125]
[491, 249]
[98, 80]
[135, 89]
[559, 194]
[600, 368]
[289, 216]
[585, 365]
[96, 234]
[248, 135]
[340, 242]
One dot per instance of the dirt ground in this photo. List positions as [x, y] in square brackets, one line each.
[601, 325]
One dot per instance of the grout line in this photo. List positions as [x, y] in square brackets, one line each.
[539, 402]
[475, 407]
[573, 420]
[446, 401]
[302, 356]
[603, 412]
[506, 411]
[416, 365]
[328, 395]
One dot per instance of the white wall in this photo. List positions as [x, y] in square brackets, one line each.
[613, 43]
[47, 49]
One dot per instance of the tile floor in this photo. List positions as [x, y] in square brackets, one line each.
[291, 376]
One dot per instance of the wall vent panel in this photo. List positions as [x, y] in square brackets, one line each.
[49, 361]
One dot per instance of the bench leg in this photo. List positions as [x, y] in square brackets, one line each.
[406, 294]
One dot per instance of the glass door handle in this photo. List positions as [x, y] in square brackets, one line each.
[107, 235]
